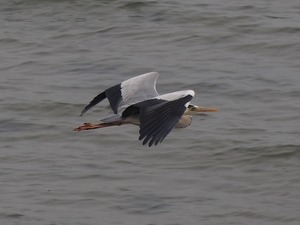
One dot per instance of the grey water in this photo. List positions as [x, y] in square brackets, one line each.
[238, 166]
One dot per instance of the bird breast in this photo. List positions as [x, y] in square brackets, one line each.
[184, 121]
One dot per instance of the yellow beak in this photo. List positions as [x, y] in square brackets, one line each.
[206, 109]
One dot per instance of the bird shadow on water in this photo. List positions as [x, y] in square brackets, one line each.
[145, 204]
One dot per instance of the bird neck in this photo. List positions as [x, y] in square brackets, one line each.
[184, 121]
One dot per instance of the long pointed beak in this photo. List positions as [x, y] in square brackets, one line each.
[206, 109]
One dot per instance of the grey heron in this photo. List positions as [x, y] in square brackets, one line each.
[136, 101]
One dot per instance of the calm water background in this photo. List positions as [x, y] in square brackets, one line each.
[238, 166]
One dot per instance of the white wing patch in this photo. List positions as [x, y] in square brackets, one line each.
[176, 95]
[139, 88]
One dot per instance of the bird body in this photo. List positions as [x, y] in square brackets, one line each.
[136, 101]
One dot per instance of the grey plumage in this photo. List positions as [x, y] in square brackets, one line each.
[136, 101]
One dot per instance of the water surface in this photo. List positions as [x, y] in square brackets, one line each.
[238, 166]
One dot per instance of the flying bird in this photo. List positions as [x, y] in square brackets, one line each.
[136, 101]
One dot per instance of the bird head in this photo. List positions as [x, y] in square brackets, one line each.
[194, 109]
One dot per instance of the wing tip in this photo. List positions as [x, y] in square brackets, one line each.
[190, 92]
[85, 110]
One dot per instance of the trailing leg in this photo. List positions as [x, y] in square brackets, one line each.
[91, 126]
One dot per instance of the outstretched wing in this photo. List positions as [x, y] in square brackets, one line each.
[139, 88]
[159, 116]
[128, 92]
[112, 94]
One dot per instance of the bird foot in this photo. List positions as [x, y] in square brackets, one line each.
[87, 126]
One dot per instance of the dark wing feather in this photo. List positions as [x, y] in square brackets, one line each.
[113, 94]
[136, 108]
[158, 117]
[114, 97]
[157, 122]
[95, 101]
[128, 92]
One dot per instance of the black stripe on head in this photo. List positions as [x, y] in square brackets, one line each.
[114, 97]
[158, 117]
